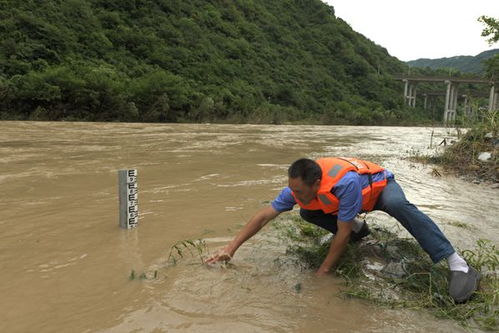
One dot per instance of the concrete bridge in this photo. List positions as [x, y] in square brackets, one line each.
[451, 93]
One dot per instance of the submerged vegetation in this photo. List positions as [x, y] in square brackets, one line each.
[191, 247]
[143, 276]
[397, 273]
[178, 251]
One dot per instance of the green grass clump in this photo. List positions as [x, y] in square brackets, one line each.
[192, 247]
[143, 275]
[423, 285]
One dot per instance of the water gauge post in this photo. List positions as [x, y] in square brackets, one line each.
[129, 209]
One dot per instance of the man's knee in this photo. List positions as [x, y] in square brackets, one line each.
[320, 219]
[306, 214]
[314, 216]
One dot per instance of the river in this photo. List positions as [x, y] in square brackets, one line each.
[66, 265]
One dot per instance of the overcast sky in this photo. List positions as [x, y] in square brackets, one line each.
[420, 28]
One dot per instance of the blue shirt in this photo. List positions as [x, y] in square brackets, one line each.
[348, 190]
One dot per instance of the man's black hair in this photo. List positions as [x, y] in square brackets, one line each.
[306, 169]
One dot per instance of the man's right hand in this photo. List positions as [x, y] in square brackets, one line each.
[261, 218]
[223, 254]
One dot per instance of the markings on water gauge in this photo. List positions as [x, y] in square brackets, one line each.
[129, 208]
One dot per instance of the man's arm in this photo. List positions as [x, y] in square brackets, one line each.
[349, 192]
[337, 247]
[261, 218]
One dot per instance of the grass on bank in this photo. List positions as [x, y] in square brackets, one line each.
[462, 157]
[416, 283]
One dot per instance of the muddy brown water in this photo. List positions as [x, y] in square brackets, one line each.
[65, 264]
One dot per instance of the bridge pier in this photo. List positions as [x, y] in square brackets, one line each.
[470, 108]
[466, 107]
[493, 99]
[410, 93]
[451, 95]
[450, 103]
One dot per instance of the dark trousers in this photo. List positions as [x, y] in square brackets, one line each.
[393, 201]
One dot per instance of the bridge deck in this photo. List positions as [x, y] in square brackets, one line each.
[443, 93]
[441, 79]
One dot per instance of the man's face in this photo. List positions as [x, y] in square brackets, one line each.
[305, 193]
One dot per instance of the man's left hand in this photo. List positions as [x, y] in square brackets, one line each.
[321, 272]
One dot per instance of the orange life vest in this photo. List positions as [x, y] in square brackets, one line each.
[333, 169]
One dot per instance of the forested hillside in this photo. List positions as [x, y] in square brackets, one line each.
[191, 60]
[465, 64]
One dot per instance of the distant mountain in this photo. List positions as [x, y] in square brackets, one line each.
[465, 64]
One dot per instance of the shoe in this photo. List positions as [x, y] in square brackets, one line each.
[463, 285]
[363, 232]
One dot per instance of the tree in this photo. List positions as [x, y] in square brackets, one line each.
[491, 29]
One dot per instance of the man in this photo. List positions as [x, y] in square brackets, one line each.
[332, 191]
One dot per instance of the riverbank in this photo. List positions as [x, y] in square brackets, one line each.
[257, 118]
[473, 157]
[392, 271]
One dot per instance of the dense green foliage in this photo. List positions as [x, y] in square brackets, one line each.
[491, 29]
[466, 64]
[492, 68]
[173, 60]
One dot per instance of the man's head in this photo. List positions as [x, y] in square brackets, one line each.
[304, 179]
